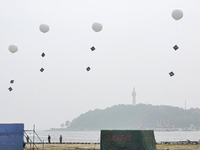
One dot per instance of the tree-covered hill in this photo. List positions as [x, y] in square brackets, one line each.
[133, 117]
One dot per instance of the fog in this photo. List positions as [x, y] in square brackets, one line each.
[134, 49]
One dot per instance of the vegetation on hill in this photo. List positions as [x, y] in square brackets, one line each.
[135, 117]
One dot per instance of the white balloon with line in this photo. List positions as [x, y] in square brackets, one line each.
[177, 14]
[44, 28]
[97, 27]
[13, 48]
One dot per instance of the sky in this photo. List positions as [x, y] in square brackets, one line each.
[134, 49]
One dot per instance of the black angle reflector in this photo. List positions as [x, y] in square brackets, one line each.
[43, 54]
[88, 68]
[42, 69]
[171, 74]
[92, 48]
[10, 89]
[175, 47]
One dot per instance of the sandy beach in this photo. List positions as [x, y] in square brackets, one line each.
[66, 146]
[97, 147]
[178, 147]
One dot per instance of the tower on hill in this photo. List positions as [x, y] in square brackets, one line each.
[133, 97]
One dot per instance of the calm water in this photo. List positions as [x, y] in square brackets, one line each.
[94, 136]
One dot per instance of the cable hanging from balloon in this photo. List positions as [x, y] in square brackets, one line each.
[13, 49]
[44, 28]
[97, 27]
[177, 14]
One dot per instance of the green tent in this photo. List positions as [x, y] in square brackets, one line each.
[128, 140]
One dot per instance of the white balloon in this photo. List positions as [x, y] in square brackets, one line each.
[44, 28]
[177, 14]
[97, 27]
[13, 48]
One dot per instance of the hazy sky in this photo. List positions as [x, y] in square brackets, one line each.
[134, 49]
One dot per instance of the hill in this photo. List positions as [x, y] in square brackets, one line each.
[135, 117]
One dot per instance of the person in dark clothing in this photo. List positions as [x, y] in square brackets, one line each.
[24, 144]
[60, 139]
[27, 139]
[49, 139]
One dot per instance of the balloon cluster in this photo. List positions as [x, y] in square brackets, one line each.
[44, 28]
[13, 48]
[97, 27]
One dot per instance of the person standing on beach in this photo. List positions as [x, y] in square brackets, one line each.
[27, 139]
[49, 139]
[60, 139]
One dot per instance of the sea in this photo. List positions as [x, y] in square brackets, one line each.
[94, 136]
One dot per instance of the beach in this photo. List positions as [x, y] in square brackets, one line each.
[80, 137]
[65, 146]
[97, 146]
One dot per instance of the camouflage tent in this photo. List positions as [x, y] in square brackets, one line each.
[128, 140]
